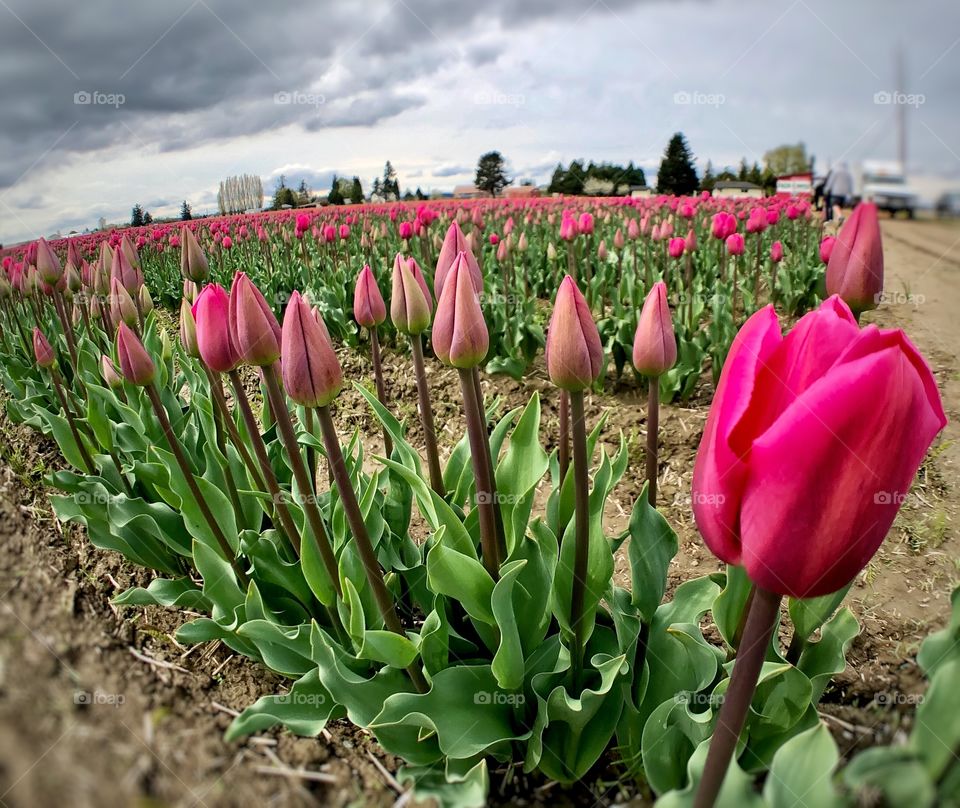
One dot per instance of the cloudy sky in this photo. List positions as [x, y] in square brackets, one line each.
[108, 103]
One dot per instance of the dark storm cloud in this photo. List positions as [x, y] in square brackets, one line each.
[85, 76]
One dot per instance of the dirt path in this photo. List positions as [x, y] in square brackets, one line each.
[86, 721]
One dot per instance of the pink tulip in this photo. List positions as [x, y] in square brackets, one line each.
[42, 351]
[188, 329]
[369, 310]
[227, 242]
[406, 230]
[109, 372]
[135, 363]
[690, 243]
[311, 371]
[410, 302]
[633, 230]
[344, 232]
[602, 250]
[676, 247]
[454, 242]
[654, 345]
[47, 262]
[193, 263]
[776, 252]
[460, 337]
[585, 224]
[574, 350]
[735, 244]
[855, 268]
[568, 228]
[211, 312]
[826, 248]
[850, 413]
[254, 328]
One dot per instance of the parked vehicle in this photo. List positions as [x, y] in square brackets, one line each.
[884, 183]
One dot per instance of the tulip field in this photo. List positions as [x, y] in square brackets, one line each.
[545, 501]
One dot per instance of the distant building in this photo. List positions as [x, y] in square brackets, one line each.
[469, 192]
[795, 184]
[735, 188]
[640, 191]
[521, 192]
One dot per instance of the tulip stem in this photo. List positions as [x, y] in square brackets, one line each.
[361, 537]
[761, 620]
[497, 513]
[282, 416]
[61, 310]
[184, 464]
[653, 430]
[381, 388]
[426, 416]
[221, 402]
[564, 435]
[260, 449]
[84, 454]
[486, 491]
[582, 527]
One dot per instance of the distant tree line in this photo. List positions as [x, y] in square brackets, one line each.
[595, 179]
[241, 193]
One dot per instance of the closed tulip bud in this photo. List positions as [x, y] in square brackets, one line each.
[585, 224]
[190, 291]
[826, 248]
[135, 363]
[193, 263]
[42, 350]
[48, 264]
[344, 232]
[676, 246]
[72, 280]
[522, 243]
[211, 315]
[130, 252]
[853, 411]
[188, 330]
[757, 222]
[73, 255]
[405, 230]
[552, 251]
[602, 250]
[146, 302]
[460, 336]
[776, 252]
[454, 243]
[410, 303]
[618, 241]
[633, 230]
[574, 350]
[503, 251]
[855, 268]
[166, 346]
[311, 371]
[568, 228]
[254, 328]
[369, 309]
[773, 216]
[129, 277]
[109, 372]
[735, 244]
[793, 212]
[654, 346]
[122, 307]
[226, 242]
[494, 239]
[690, 243]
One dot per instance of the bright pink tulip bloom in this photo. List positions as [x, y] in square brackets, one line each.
[735, 244]
[253, 325]
[676, 247]
[460, 337]
[211, 312]
[42, 351]
[311, 371]
[135, 363]
[811, 444]
[776, 252]
[369, 310]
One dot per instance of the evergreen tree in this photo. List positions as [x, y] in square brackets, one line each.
[419, 194]
[136, 216]
[147, 218]
[709, 180]
[335, 197]
[356, 192]
[391, 186]
[677, 174]
[377, 189]
[185, 213]
[491, 176]
[303, 193]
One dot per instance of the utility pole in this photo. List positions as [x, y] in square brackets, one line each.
[901, 111]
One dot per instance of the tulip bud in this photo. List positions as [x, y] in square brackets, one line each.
[125, 273]
[654, 346]
[135, 363]
[410, 305]
[460, 336]
[633, 230]
[855, 269]
[735, 244]
[602, 250]
[72, 279]
[454, 243]
[522, 243]
[826, 248]
[211, 315]
[585, 224]
[42, 350]
[369, 309]
[676, 246]
[311, 371]
[618, 241]
[574, 351]
[188, 330]
[146, 302]
[193, 263]
[552, 251]
[48, 264]
[122, 307]
[253, 325]
[109, 372]
[130, 252]
[690, 243]
[776, 252]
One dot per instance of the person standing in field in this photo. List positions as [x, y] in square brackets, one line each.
[837, 191]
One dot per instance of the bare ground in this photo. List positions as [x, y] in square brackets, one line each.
[100, 707]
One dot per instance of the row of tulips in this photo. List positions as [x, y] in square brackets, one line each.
[500, 637]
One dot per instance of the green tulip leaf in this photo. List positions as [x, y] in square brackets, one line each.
[653, 544]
